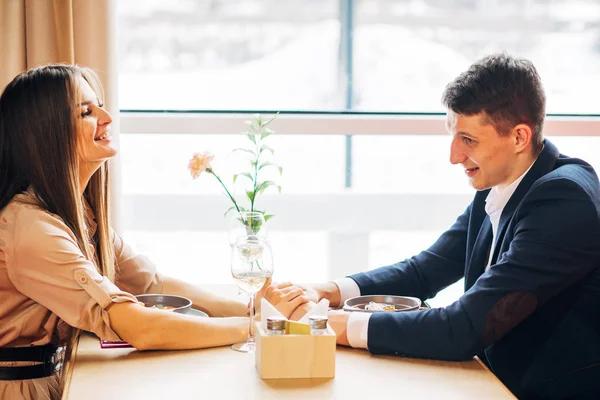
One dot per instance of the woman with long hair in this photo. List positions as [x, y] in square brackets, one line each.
[62, 267]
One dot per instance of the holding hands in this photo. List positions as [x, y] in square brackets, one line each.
[284, 296]
[293, 301]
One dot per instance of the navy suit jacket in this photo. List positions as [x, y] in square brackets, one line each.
[534, 315]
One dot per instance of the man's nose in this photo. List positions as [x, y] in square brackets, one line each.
[457, 156]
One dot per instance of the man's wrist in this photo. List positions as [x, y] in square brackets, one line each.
[331, 292]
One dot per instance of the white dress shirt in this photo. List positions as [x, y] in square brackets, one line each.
[357, 329]
[495, 202]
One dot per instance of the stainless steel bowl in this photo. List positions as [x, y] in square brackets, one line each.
[401, 303]
[180, 304]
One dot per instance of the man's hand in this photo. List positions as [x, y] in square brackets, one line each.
[316, 292]
[338, 320]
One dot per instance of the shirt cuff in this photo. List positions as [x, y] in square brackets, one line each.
[348, 289]
[357, 330]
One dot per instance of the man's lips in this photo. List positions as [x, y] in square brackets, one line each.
[471, 171]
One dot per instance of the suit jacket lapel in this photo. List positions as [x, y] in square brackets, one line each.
[544, 164]
[480, 254]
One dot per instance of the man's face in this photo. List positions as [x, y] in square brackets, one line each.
[488, 158]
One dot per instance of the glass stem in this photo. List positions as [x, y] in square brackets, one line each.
[251, 327]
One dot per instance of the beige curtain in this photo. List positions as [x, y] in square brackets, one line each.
[37, 32]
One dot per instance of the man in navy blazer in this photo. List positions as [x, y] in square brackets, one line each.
[528, 247]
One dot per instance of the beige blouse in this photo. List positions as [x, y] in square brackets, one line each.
[47, 286]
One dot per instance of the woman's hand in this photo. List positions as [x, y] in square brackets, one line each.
[259, 296]
[286, 297]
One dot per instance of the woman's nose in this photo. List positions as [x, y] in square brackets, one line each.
[104, 117]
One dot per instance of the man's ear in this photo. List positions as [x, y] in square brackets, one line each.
[522, 137]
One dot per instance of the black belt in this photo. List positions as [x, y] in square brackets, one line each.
[46, 355]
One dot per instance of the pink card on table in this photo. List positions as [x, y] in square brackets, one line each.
[108, 344]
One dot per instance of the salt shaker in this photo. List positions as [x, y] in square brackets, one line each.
[276, 325]
[318, 324]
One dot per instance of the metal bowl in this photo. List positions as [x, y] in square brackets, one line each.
[401, 303]
[179, 304]
[196, 313]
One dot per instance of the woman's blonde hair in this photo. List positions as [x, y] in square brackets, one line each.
[40, 153]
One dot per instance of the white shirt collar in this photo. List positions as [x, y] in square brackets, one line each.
[498, 198]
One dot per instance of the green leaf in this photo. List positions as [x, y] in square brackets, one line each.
[266, 132]
[245, 151]
[252, 127]
[280, 172]
[268, 216]
[250, 194]
[279, 188]
[246, 174]
[264, 147]
[258, 119]
[251, 137]
[263, 185]
[229, 210]
[267, 164]
[272, 119]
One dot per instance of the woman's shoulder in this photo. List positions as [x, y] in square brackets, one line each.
[24, 216]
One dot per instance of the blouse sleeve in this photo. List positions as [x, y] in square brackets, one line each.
[46, 264]
[135, 273]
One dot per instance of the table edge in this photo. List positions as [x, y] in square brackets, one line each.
[495, 377]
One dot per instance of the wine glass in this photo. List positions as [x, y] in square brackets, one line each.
[247, 224]
[251, 266]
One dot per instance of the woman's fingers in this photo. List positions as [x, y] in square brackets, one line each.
[286, 290]
[297, 301]
[267, 286]
[282, 285]
[292, 294]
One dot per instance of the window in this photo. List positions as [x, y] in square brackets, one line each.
[317, 61]
[228, 55]
[368, 55]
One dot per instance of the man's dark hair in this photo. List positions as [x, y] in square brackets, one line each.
[507, 89]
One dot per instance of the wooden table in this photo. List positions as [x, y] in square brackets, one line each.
[221, 373]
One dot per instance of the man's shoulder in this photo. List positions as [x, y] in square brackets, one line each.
[572, 173]
[570, 183]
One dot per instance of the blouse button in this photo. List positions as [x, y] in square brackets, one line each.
[83, 279]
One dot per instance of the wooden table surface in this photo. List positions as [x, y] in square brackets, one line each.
[221, 373]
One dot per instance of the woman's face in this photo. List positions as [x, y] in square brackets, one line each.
[93, 129]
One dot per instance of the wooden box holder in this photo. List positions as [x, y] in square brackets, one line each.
[295, 356]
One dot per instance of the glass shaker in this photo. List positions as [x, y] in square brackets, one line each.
[276, 325]
[318, 324]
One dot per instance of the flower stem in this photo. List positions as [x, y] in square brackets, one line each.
[225, 187]
[255, 174]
